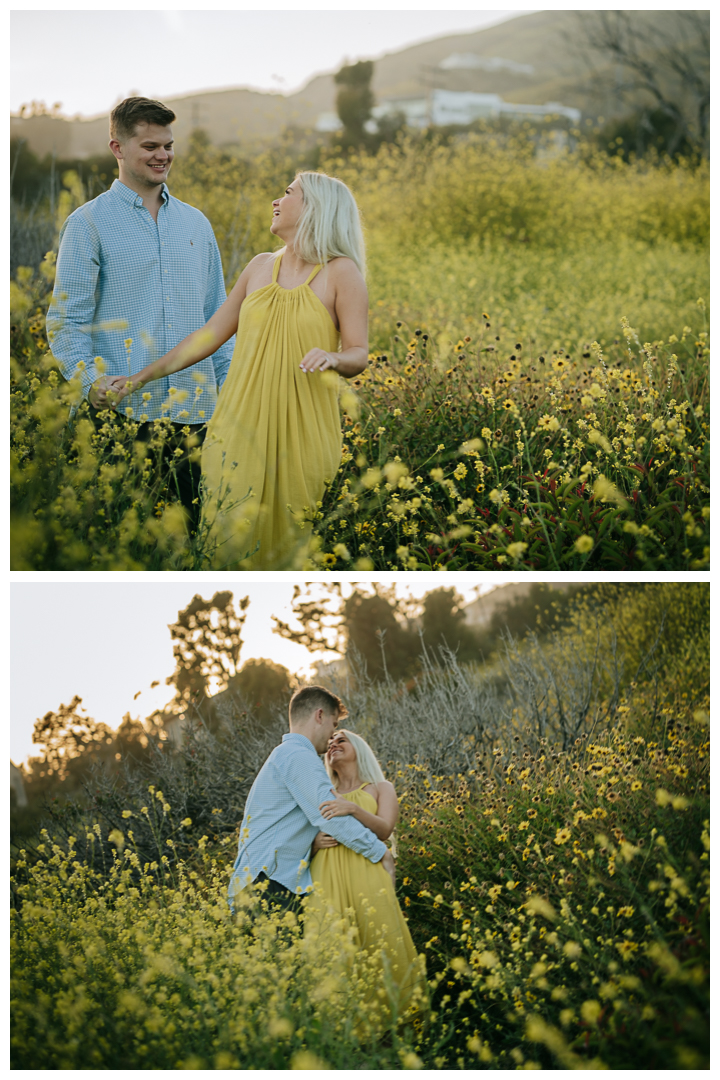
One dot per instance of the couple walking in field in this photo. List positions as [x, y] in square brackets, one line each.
[266, 411]
[306, 826]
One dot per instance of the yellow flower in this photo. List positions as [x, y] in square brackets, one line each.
[516, 550]
[186, 822]
[584, 544]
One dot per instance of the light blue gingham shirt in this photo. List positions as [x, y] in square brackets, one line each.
[282, 818]
[120, 275]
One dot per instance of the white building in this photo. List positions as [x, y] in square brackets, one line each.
[473, 62]
[444, 107]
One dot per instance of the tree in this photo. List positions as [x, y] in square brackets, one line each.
[374, 631]
[443, 622]
[264, 686]
[70, 740]
[206, 647]
[354, 100]
[663, 62]
[372, 621]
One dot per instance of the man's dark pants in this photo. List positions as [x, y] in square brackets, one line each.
[186, 481]
[277, 895]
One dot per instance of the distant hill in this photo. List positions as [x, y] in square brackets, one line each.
[541, 42]
[479, 613]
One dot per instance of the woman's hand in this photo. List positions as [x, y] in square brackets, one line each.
[322, 840]
[103, 393]
[318, 360]
[122, 386]
[337, 807]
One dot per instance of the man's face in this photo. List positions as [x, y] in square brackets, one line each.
[327, 728]
[145, 159]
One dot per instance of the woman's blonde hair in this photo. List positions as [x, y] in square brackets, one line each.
[368, 765]
[329, 226]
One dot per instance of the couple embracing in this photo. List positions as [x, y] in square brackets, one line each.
[307, 826]
[140, 315]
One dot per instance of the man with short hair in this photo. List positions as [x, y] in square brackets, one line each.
[282, 812]
[138, 271]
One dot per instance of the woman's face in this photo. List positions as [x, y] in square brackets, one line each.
[287, 210]
[340, 749]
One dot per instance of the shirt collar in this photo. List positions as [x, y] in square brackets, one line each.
[295, 736]
[132, 197]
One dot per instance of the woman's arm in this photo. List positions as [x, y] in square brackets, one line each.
[201, 343]
[382, 823]
[351, 308]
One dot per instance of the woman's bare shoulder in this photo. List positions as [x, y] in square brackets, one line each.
[344, 268]
[384, 785]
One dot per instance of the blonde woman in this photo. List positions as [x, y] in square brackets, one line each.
[353, 886]
[275, 432]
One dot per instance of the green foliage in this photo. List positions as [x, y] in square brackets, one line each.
[564, 899]
[511, 415]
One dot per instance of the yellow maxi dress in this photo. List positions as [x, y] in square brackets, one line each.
[386, 961]
[275, 431]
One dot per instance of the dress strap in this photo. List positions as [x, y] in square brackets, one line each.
[315, 270]
[276, 267]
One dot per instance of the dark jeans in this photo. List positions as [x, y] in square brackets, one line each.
[186, 480]
[277, 895]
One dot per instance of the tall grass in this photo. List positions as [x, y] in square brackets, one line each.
[537, 394]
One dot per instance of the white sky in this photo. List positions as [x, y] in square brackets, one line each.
[88, 60]
[106, 641]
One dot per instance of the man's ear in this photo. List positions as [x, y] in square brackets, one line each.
[116, 149]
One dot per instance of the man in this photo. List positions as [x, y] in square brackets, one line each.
[137, 271]
[282, 815]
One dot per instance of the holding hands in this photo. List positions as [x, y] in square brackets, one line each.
[104, 392]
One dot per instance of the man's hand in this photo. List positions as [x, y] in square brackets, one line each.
[98, 396]
[322, 840]
[389, 863]
[337, 807]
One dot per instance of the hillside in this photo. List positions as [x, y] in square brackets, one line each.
[548, 42]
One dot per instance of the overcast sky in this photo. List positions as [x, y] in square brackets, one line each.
[107, 641]
[88, 60]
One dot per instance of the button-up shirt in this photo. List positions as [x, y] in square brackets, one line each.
[282, 818]
[128, 289]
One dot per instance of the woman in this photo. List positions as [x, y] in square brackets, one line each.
[276, 432]
[360, 890]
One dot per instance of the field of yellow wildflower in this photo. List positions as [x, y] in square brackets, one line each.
[555, 876]
[537, 396]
